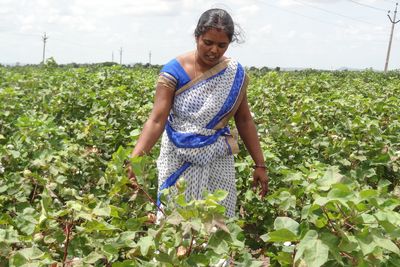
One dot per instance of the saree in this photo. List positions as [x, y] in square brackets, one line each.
[197, 144]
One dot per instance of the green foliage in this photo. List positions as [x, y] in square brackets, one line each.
[330, 140]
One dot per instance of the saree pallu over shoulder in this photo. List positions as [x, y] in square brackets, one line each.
[196, 132]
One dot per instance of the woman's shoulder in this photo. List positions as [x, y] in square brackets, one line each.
[176, 68]
[179, 60]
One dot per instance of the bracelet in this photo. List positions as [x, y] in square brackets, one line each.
[259, 166]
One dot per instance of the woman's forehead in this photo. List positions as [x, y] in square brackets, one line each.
[217, 35]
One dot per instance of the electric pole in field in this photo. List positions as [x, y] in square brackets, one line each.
[44, 38]
[393, 21]
[150, 57]
[120, 56]
[112, 56]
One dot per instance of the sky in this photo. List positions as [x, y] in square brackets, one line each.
[319, 34]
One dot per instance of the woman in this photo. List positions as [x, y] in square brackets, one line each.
[196, 95]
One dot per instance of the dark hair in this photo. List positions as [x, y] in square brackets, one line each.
[218, 19]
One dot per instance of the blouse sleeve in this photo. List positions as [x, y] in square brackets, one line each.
[169, 76]
[167, 80]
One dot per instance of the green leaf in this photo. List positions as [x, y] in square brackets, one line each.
[17, 260]
[110, 251]
[248, 261]
[32, 253]
[368, 193]
[286, 223]
[293, 177]
[306, 242]
[220, 194]
[384, 242]
[340, 192]
[126, 263]
[98, 226]
[15, 154]
[282, 235]
[332, 242]
[181, 200]
[8, 236]
[3, 188]
[368, 219]
[102, 209]
[135, 133]
[135, 224]
[367, 243]
[332, 176]
[175, 218]
[93, 257]
[145, 243]
[313, 250]
[284, 258]
[74, 205]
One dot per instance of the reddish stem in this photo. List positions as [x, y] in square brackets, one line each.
[68, 228]
[149, 197]
[191, 245]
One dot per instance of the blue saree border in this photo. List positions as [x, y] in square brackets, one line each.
[190, 140]
[171, 180]
[231, 99]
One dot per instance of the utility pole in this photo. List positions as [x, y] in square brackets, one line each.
[150, 57]
[112, 56]
[120, 56]
[393, 21]
[44, 38]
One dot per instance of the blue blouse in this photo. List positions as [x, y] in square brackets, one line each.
[175, 69]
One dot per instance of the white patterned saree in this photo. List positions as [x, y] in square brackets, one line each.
[197, 144]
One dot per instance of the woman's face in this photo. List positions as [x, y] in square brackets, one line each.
[211, 46]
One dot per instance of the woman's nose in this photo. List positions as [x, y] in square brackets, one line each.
[214, 49]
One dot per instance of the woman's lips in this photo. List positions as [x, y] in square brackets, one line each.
[211, 58]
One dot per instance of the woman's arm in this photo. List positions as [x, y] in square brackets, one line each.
[248, 132]
[155, 124]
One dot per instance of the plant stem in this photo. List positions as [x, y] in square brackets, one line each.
[68, 228]
[191, 245]
[34, 193]
[150, 198]
[329, 220]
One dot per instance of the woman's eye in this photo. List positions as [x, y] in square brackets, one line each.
[222, 45]
[208, 42]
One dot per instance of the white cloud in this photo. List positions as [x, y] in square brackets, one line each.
[105, 8]
[245, 12]
[290, 34]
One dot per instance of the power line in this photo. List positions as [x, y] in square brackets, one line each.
[334, 13]
[390, 1]
[315, 19]
[368, 6]
[298, 14]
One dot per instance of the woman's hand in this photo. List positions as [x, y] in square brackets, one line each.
[260, 177]
[131, 176]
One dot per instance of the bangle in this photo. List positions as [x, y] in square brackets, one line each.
[259, 166]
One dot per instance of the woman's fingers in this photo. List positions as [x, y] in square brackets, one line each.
[261, 179]
[264, 186]
[132, 178]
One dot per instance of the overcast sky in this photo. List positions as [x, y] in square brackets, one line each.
[324, 34]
